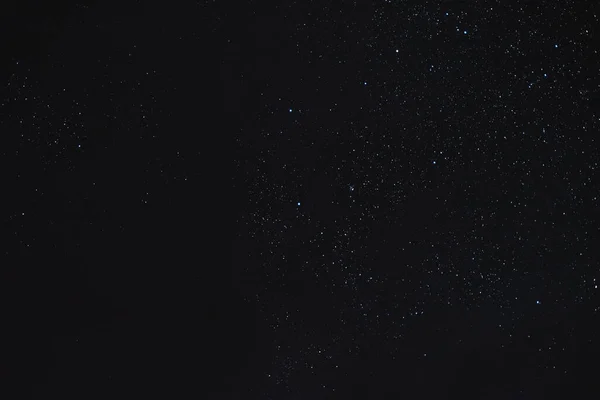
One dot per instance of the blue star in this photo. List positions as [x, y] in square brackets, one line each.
[537, 302]
[465, 32]
[290, 110]
[555, 46]
[298, 204]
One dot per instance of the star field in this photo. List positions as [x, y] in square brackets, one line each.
[424, 223]
[357, 200]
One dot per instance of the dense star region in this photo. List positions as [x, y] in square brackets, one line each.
[421, 214]
[300, 199]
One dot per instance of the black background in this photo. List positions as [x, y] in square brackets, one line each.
[219, 200]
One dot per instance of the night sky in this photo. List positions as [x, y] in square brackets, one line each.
[300, 199]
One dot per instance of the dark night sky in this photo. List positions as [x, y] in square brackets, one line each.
[300, 200]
